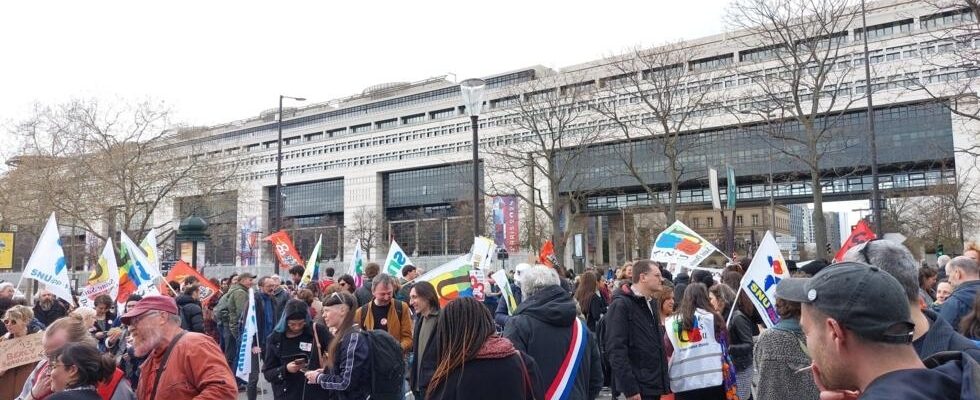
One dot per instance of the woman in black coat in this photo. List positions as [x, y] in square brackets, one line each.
[191, 313]
[294, 339]
[590, 302]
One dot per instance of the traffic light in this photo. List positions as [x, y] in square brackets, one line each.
[939, 249]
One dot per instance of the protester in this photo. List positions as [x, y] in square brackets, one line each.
[346, 283]
[970, 324]
[307, 295]
[943, 290]
[932, 334]
[590, 301]
[545, 327]
[476, 364]
[76, 369]
[409, 273]
[117, 344]
[385, 313]
[195, 367]
[48, 308]
[698, 336]
[7, 290]
[425, 301]
[927, 285]
[296, 274]
[779, 353]
[17, 320]
[740, 344]
[502, 314]
[624, 278]
[941, 266]
[859, 332]
[680, 284]
[703, 277]
[364, 293]
[971, 250]
[235, 308]
[964, 275]
[634, 340]
[105, 320]
[61, 332]
[295, 345]
[348, 369]
[191, 314]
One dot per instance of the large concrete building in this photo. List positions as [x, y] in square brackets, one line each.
[400, 152]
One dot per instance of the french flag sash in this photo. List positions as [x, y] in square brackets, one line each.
[561, 387]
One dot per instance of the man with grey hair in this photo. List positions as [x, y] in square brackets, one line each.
[545, 326]
[932, 334]
[7, 290]
[964, 275]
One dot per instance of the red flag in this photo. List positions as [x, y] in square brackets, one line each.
[547, 255]
[861, 233]
[181, 271]
[283, 247]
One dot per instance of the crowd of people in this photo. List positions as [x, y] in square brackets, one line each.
[876, 325]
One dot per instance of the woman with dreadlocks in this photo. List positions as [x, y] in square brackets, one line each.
[475, 363]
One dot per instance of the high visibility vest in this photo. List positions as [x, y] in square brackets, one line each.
[696, 363]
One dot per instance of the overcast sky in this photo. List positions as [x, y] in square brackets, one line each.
[217, 61]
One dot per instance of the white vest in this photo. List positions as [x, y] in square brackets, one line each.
[696, 362]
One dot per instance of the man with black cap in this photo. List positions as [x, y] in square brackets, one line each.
[859, 334]
[179, 364]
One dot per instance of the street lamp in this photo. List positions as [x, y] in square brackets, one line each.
[278, 198]
[472, 91]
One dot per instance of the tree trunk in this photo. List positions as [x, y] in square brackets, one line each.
[819, 222]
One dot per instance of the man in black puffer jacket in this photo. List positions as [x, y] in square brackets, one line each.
[191, 314]
[544, 326]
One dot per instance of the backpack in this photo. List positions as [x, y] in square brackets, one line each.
[387, 365]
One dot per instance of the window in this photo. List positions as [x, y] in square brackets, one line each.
[388, 123]
[696, 222]
[711, 62]
[739, 221]
[441, 114]
[711, 222]
[883, 30]
[946, 18]
[503, 102]
[759, 54]
[755, 220]
[360, 128]
[413, 119]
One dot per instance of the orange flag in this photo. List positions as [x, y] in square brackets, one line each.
[861, 233]
[181, 271]
[283, 247]
[547, 255]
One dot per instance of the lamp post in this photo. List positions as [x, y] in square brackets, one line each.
[875, 195]
[278, 198]
[472, 91]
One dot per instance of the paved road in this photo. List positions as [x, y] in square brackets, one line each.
[605, 395]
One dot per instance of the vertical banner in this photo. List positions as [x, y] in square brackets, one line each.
[760, 280]
[283, 248]
[312, 265]
[248, 240]
[732, 188]
[141, 271]
[149, 246]
[506, 230]
[357, 264]
[104, 278]
[47, 263]
[244, 366]
[713, 186]
[395, 261]
[682, 245]
[482, 251]
[500, 278]
[6, 250]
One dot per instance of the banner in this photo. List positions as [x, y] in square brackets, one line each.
[679, 244]
[6, 250]
[283, 248]
[248, 240]
[451, 280]
[395, 261]
[311, 272]
[760, 280]
[47, 263]
[482, 252]
[141, 271]
[104, 278]
[500, 278]
[357, 264]
[713, 186]
[251, 328]
[506, 228]
[861, 233]
[21, 351]
[149, 246]
[182, 270]
[732, 189]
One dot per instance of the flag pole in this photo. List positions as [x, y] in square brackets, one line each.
[734, 304]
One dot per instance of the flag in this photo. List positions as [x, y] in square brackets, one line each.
[396, 260]
[104, 279]
[679, 244]
[283, 247]
[244, 367]
[547, 255]
[861, 233]
[47, 263]
[357, 264]
[451, 280]
[732, 190]
[141, 271]
[312, 265]
[181, 271]
[760, 280]
[500, 277]
[483, 250]
[149, 246]
[713, 185]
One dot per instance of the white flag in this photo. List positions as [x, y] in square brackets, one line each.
[47, 263]
[312, 264]
[149, 246]
[760, 280]
[142, 271]
[245, 349]
[104, 279]
[397, 259]
[357, 264]
[681, 245]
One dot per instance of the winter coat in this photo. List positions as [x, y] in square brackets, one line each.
[950, 375]
[777, 355]
[292, 386]
[237, 301]
[596, 309]
[942, 337]
[635, 344]
[278, 303]
[498, 371]
[350, 378]
[422, 367]
[959, 303]
[364, 294]
[740, 341]
[542, 327]
[48, 316]
[192, 316]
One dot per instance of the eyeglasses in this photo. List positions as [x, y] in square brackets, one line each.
[54, 364]
[10, 322]
[140, 318]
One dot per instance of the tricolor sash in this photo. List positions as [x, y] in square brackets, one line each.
[561, 386]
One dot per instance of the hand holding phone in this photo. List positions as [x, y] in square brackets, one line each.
[297, 365]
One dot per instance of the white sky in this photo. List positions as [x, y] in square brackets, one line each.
[218, 61]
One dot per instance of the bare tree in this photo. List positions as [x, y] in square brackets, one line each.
[805, 90]
[107, 167]
[544, 160]
[936, 215]
[651, 102]
[366, 226]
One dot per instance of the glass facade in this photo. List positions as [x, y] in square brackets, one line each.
[221, 213]
[429, 211]
[311, 209]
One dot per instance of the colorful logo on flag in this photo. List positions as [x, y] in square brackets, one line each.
[762, 277]
[679, 244]
[451, 280]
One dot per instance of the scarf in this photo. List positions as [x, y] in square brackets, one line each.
[496, 347]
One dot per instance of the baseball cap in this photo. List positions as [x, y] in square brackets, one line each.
[150, 303]
[246, 275]
[861, 297]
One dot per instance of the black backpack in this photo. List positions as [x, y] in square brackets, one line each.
[387, 365]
